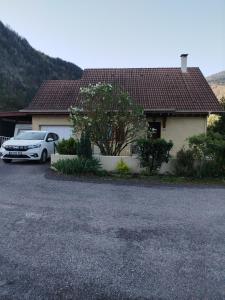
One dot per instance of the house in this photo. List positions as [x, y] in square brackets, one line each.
[176, 101]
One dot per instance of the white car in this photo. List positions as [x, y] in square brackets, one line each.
[29, 145]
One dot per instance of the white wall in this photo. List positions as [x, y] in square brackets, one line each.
[109, 163]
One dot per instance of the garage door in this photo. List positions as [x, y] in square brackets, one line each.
[64, 132]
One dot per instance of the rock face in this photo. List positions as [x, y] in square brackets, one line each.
[217, 83]
[219, 90]
[22, 70]
[218, 78]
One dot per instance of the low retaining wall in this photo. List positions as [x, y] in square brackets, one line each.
[56, 157]
[168, 168]
[109, 163]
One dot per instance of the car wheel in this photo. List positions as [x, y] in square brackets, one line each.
[7, 161]
[44, 157]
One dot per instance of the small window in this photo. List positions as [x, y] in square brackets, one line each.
[50, 136]
[55, 136]
[155, 128]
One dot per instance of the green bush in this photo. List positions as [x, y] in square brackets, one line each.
[153, 152]
[184, 165]
[84, 146]
[218, 126]
[205, 158]
[78, 166]
[210, 151]
[68, 147]
[122, 167]
[208, 169]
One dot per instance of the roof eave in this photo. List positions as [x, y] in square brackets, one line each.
[181, 112]
[222, 112]
[149, 111]
[46, 111]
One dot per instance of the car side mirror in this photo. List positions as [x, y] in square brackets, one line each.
[50, 140]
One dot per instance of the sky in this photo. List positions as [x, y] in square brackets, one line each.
[123, 33]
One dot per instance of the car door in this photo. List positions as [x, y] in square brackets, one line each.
[50, 143]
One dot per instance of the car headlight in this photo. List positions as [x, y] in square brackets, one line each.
[34, 146]
[3, 146]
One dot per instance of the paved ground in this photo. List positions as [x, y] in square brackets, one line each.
[75, 240]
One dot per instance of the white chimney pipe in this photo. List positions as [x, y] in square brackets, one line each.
[184, 63]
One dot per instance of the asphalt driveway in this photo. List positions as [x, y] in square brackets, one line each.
[76, 240]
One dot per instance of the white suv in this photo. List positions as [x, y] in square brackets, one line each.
[29, 145]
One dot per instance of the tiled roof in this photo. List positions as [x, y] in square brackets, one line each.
[155, 89]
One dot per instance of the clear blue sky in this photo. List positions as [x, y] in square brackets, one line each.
[123, 33]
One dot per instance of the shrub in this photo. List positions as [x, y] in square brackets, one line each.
[218, 126]
[153, 152]
[205, 158]
[122, 167]
[84, 146]
[209, 149]
[184, 165]
[208, 169]
[67, 146]
[78, 166]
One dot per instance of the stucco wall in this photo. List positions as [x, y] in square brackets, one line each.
[178, 129]
[39, 120]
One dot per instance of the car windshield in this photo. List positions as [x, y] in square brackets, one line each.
[29, 135]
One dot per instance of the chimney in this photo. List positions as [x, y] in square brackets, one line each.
[184, 63]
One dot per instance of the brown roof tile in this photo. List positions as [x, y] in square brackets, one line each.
[162, 89]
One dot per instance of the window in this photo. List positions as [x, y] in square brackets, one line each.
[50, 136]
[55, 136]
[30, 135]
[155, 128]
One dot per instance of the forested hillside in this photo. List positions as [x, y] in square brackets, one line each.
[22, 69]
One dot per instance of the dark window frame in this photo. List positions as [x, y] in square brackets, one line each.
[157, 126]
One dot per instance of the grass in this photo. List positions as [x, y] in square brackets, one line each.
[189, 180]
[169, 179]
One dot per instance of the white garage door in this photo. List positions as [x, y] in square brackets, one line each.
[64, 132]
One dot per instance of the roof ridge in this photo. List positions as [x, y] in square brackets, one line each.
[138, 68]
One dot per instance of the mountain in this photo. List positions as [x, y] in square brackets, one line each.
[218, 78]
[219, 90]
[22, 70]
[217, 83]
